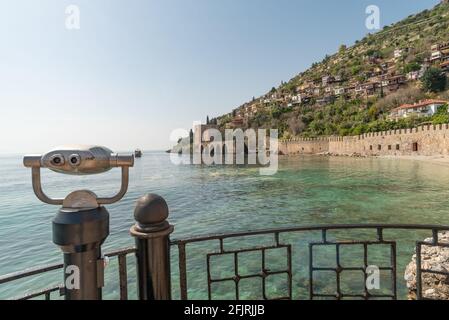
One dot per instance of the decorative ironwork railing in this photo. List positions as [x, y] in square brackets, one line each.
[310, 272]
[303, 256]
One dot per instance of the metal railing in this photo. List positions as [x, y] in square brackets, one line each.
[299, 251]
[337, 269]
[121, 255]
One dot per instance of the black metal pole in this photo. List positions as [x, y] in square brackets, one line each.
[80, 234]
[152, 232]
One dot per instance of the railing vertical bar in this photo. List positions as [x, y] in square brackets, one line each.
[290, 276]
[380, 235]
[324, 235]
[310, 272]
[123, 277]
[338, 273]
[209, 279]
[221, 245]
[182, 270]
[365, 265]
[236, 271]
[264, 291]
[393, 271]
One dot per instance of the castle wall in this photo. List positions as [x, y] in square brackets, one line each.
[304, 146]
[428, 140]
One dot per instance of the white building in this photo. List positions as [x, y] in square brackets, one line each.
[436, 55]
[421, 109]
[339, 91]
[397, 53]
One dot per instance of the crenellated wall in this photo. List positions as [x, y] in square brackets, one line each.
[304, 146]
[425, 140]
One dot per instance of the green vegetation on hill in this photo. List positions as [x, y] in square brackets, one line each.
[398, 50]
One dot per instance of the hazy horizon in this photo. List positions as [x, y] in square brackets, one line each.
[135, 71]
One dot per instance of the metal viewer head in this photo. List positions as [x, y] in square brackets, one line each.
[79, 160]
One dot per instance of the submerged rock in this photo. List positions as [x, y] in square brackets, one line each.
[434, 286]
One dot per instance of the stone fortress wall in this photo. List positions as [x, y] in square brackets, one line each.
[427, 140]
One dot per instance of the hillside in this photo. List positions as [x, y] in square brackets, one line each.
[353, 90]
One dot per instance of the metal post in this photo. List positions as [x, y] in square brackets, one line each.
[80, 234]
[152, 232]
[82, 224]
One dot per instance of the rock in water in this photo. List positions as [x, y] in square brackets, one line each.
[434, 286]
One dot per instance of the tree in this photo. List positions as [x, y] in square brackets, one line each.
[412, 66]
[342, 48]
[441, 116]
[295, 125]
[434, 80]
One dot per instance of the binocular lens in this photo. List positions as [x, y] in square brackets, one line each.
[75, 159]
[57, 160]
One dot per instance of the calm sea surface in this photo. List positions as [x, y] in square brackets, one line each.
[204, 200]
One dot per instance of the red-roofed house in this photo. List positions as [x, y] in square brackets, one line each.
[422, 108]
[445, 66]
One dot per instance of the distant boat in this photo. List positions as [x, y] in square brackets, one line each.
[138, 153]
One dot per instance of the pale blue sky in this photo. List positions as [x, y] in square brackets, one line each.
[136, 70]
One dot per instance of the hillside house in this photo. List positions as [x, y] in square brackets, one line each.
[388, 65]
[327, 99]
[398, 53]
[413, 75]
[445, 66]
[366, 89]
[297, 99]
[236, 123]
[359, 89]
[377, 71]
[420, 109]
[440, 46]
[440, 52]
[339, 91]
[393, 83]
[350, 89]
[338, 78]
[436, 56]
[327, 80]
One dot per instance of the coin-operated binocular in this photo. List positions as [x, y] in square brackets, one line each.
[82, 223]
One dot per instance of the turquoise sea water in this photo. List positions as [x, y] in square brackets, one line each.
[204, 200]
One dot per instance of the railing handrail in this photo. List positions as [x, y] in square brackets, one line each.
[323, 227]
[29, 272]
[47, 268]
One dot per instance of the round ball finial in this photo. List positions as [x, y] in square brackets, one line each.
[151, 210]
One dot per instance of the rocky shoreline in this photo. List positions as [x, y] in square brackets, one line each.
[435, 258]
